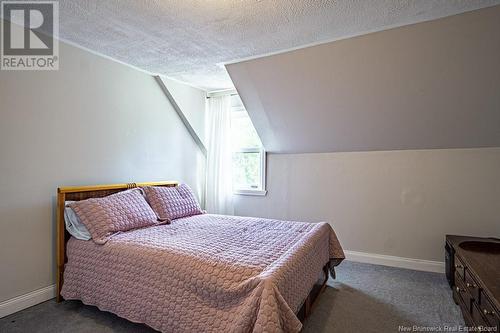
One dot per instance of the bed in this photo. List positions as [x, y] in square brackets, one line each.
[203, 273]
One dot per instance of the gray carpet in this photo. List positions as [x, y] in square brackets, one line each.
[364, 298]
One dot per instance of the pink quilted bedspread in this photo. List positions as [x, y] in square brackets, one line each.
[205, 273]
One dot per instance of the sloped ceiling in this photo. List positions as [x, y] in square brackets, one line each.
[190, 40]
[429, 85]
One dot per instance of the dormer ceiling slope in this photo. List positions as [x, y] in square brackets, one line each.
[190, 40]
[430, 85]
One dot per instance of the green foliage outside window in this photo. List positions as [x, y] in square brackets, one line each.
[246, 170]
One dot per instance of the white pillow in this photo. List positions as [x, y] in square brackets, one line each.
[73, 224]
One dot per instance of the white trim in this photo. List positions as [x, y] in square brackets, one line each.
[44, 294]
[22, 302]
[255, 150]
[263, 172]
[102, 55]
[181, 115]
[259, 193]
[409, 263]
[218, 93]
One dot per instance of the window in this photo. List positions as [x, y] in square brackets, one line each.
[249, 157]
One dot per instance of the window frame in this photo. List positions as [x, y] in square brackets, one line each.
[250, 191]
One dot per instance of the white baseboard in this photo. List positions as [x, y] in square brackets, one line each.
[25, 301]
[380, 259]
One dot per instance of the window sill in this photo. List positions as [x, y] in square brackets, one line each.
[259, 193]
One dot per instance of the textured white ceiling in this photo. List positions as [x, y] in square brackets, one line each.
[189, 40]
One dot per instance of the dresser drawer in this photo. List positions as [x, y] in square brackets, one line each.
[462, 293]
[477, 316]
[471, 285]
[459, 268]
[489, 313]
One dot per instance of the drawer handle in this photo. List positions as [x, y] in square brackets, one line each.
[458, 289]
[488, 313]
[458, 266]
[470, 285]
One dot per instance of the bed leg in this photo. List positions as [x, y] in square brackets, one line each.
[313, 296]
[307, 309]
[59, 284]
[326, 271]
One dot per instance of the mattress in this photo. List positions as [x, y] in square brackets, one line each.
[204, 273]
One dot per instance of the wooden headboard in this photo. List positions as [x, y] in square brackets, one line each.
[76, 193]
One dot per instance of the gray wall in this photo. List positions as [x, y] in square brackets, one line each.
[192, 103]
[428, 85]
[93, 121]
[424, 86]
[399, 203]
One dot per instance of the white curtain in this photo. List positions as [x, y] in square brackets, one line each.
[219, 196]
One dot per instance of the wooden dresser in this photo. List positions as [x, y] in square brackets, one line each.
[473, 271]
